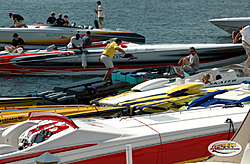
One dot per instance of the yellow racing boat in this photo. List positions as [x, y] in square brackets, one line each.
[172, 99]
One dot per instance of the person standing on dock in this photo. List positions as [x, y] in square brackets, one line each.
[107, 56]
[245, 32]
[101, 13]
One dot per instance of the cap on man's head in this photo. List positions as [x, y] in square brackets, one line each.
[66, 16]
[53, 13]
[10, 14]
[60, 15]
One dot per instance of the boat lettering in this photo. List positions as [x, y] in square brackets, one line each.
[149, 49]
[225, 148]
[223, 82]
[11, 119]
[120, 56]
[54, 35]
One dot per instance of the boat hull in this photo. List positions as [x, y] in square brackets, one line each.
[41, 36]
[153, 140]
[230, 24]
[69, 63]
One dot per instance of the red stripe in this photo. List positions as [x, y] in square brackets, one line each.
[225, 26]
[173, 152]
[33, 155]
[149, 127]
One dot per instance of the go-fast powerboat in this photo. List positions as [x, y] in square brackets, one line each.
[230, 24]
[157, 138]
[154, 94]
[72, 62]
[41, 35]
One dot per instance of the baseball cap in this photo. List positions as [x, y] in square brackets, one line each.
[53, 13]
[60, 15]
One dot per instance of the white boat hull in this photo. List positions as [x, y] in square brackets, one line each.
[158, 138]
[147, 55]
[41, 36]
[230, 24]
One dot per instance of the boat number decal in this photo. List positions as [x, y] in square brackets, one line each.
[120, 56]
[55, 36]
[223, 82]
[224, 148]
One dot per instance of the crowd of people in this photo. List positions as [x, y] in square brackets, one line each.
[58, 21]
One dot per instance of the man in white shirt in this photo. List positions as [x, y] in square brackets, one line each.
[101, 13]
[76, 42]
[245, 32]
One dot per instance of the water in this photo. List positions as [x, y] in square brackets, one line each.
[160, 21]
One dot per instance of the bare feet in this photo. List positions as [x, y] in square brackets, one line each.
[107, 81]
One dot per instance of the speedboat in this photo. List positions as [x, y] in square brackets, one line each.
[143, 56]
[86, 90]
[156, 138]
[160, 88]
[230, 24]
[41, 35]
[15, 114]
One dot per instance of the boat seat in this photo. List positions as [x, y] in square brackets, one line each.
[51, 48]
[232, 73]
[214, 73]
[36, 50]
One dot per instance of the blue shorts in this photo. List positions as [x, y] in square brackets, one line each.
[191, 70]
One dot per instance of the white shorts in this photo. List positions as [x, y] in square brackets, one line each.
[10, 48]
[107, 61]
[19, 23]
[246, 46]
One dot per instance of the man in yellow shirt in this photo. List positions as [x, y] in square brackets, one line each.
[106, 57]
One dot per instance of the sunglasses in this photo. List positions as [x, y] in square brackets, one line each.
[191, 51]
